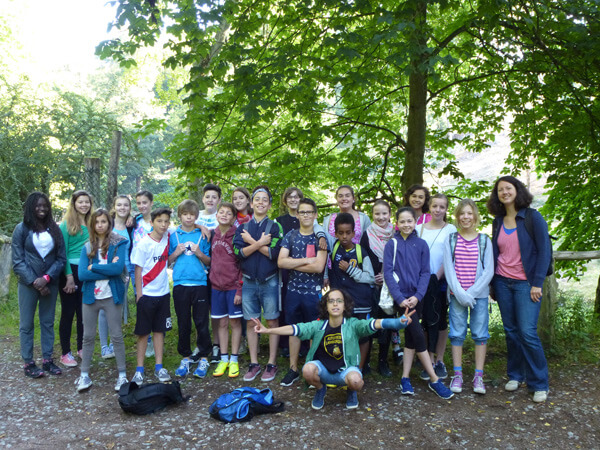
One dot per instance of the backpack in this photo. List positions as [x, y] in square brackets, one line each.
[359, 259]
[481, 244]
[529, 229]
[149, 398]
[241, 404]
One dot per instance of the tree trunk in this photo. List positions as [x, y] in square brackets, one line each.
[597, 304]
[113, 169]
[92, 178]
[417, 104]
[548, 310]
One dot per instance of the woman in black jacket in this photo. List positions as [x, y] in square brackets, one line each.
[38, 253]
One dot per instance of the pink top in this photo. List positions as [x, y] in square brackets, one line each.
[466, 255]
[509, 257]
[424, 218]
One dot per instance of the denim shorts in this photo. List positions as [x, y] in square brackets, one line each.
[460, 320]
[337, 378]
[261, 295]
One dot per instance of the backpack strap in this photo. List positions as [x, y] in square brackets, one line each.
[482, 244]
[358, 248]
[453, 239]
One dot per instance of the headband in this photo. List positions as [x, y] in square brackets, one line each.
[262, 190]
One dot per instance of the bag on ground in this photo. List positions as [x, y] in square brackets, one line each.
[242, 404]
[150, 398]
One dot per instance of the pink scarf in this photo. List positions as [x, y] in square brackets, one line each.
[378, 237]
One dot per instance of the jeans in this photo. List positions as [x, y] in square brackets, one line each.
[30, 299]
[337, 378]
[526, 359]
[257, 295]
[478, 323]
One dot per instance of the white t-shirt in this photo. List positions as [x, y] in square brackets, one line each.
[207, 220]
[43, 243]
[435, 241]
[153, 257]
[102, 289]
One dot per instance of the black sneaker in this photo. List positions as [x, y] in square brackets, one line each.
[33, 371]
[384, 369]
[290, 377]
[366, 370]
[51, 368]
[215, 355]
[398, 356]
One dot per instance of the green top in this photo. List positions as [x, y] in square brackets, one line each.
[73, 245]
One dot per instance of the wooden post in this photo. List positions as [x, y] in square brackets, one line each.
[113, 168]
[597, 304]
[548, 311]
[92, 178]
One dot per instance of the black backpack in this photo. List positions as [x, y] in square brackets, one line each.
[149, 398]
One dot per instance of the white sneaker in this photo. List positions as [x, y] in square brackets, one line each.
[120, 382]
[512, 385]
[163, 375]
[138, 378]
[83, 383]
[540, 396]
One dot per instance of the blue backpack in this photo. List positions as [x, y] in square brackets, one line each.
[241, 404]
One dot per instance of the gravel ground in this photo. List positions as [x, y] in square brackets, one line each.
[49, 413]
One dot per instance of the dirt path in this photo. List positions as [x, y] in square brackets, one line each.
[49, 413]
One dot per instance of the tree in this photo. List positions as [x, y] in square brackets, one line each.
[371, 93]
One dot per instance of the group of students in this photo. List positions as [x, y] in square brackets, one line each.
[233, 264]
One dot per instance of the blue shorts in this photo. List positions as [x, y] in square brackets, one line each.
[260, 296]
[222, 305]
[337, 378]
[301, 307]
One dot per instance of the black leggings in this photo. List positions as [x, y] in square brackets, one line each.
[413, 334]
[70, 306]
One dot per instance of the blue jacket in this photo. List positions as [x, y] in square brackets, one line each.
[258, 266]
[111, 271]
[188, 269]
[536, 253]
[412, 267]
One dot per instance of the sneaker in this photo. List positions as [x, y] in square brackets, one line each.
[384, 369]
[456, 383]
[33, 371]
[138, 378]
[68, 360]
[202, 368]
[184, 368]
[120, 382]
[215, 356]
[163, 375]
[512, 385]
[150, 348]
[108, 352]
[423, 375]
[540, 396]
[253, 371]
[269, 373]
[51, 368]
[83, 383]
[398, 356]
[243, 347]
[80, 353]
[405, 387]
[366, 370]
[234, 370]
[221, 369]
[440, 370]
[441, 390]
[195, 355]
[319, 398]
[351, 400]
[290, 377]
[478, 386]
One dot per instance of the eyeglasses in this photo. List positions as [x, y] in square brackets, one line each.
[332, 301]
[293, 196]
[305, 213]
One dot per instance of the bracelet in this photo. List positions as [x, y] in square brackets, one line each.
[46, 277]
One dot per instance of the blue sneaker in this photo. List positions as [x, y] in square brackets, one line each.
[319, 399]
[440, 370]
[202, 369]
[441, 390]
[184, 368]
[352, 400]
[406, 387]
